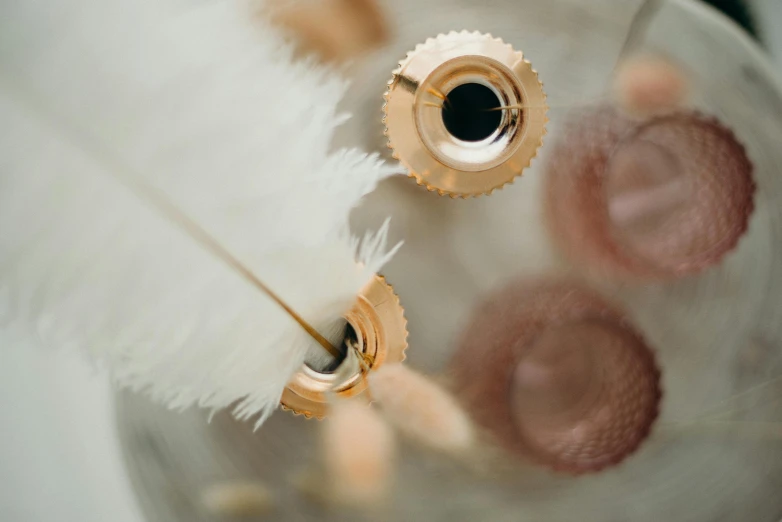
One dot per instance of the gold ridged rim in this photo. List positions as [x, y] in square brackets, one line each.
[379, 320]
[446, 61]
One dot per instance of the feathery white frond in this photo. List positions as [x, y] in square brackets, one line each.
[204, 104]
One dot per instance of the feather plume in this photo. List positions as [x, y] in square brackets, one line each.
[421, 409]
[358, 455]
[156, 158]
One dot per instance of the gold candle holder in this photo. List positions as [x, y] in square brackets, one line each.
[465, 114]
[379, 328]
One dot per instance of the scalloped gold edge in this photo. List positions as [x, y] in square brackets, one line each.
[420, 181]
[310, 415]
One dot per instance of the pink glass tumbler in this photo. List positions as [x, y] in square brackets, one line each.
[648, 199]
[558, 376]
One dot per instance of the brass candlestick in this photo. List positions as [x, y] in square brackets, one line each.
[465, 114]
[379, 330]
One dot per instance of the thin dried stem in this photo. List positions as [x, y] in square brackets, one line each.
[714, 411]
[437, 94]
[764, 430]
[638, 26]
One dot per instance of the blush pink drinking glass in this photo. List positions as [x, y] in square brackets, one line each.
[557, 375]
[659, 198]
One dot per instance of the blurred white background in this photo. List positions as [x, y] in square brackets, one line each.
[59, 451]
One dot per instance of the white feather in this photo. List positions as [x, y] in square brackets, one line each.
[204, 105]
